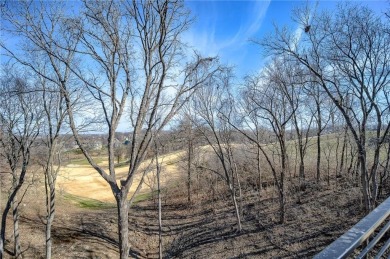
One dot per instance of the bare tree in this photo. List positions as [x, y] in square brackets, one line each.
[291, 80]
[54, 117]
[269, 103]
[251, 121]
[19, 123]
[213, 105]
[348, 53]
[187, 131]
[320, 116]
[119, 39]
[158, 176]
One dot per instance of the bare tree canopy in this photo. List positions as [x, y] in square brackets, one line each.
[20, 119]
[348, 53]
[100, 98]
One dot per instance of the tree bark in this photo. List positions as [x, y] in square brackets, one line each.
[239, 189]
[15, 216]
[282, 143]
[189, 168]
[259, 169]
[236, 208]
[343, 154]
[48, 237]
[159, 208]
[319, 129]
[365, 181]
[49, 219]
[8, 207]
[318, 157]
[123, 225]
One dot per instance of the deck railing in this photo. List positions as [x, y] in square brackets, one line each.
[361, 233]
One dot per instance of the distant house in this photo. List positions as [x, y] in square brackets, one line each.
[90, 143]
[70, 145]
[94, 145]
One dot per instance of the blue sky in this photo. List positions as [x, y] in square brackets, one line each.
[224, 28]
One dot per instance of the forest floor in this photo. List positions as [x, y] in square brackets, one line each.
[85, 227]
[203, 229]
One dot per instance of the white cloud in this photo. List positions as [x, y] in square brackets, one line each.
[205, 40]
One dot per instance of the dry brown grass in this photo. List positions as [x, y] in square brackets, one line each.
[84, 181]
[205, 228]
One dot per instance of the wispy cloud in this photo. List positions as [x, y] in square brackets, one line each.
[205, 39]
[249, 27]
[258, 14]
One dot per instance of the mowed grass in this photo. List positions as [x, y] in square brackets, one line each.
[84, 162]
[125, 163]
[330, 153]
[142, 197]
[89, 203]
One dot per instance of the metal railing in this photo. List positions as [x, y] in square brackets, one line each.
[347, 243]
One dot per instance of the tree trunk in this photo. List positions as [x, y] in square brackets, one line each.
[48, 237]
[6, 210]
[319, 125]
[336, 167]
[318, 157]
[374, 174]
[301, 162]
[123, 224]
[233, 193]
[301, 170]
[239, 190]
[328, 169]
[3, 227]
[282, 141]
[159, 209]
[343, 154]
[259, 169]
[50, 218]
[190, 152]
[365, 182]
[235, 179]
[15, 215]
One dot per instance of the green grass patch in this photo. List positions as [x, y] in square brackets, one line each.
[84, 162]
[88, 203]
[122, 164]
[142, 197]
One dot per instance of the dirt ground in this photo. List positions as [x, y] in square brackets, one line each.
[204, 228]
